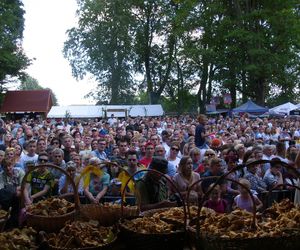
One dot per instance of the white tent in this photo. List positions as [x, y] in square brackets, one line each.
[80, 111]
[92, 111]
[283, 109]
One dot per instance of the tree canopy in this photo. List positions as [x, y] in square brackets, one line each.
[12, 58]
[170, 51]
[30, 83]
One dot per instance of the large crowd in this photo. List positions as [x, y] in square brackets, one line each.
[184, 149]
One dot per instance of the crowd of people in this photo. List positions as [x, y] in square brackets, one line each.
[184, 150]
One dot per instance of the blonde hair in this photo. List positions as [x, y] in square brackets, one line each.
[245, 182]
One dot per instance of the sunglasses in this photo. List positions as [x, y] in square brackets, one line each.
[132, 159]
[175, 149]
[209, 154]
[43, 160]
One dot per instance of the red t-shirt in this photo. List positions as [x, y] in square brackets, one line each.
[145, 161]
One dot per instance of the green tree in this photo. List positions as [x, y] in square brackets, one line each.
[12, 58]
[30, 83]
[155, 42]
[101, 46]
[259, 45]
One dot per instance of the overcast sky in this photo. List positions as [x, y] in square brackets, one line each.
[46, 22]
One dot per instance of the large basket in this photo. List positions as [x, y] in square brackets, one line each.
[147, 241]
[203, 241]
[45, 244]
[106, 215]
[136, 240]
[50, 223]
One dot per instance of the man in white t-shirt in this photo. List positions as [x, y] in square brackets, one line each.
[112, 120]
[31, 155]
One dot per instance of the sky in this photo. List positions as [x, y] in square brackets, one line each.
[46, 23]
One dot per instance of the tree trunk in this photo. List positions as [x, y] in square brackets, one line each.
[260, 94]
[202, 88]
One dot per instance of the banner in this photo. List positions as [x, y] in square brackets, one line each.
[227, 99]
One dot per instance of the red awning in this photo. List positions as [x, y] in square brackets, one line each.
[27, 101]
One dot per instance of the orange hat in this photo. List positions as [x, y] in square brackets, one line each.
[215, 143]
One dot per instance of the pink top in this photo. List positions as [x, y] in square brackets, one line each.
[183, 184]
[219, 206]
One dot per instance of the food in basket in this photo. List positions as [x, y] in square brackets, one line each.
[3, 213]
[128, 211]
[278, 208]
[149, 225]
[238, 223]
[81, 234]
[176, 214]
[51, 207]
[18, 239]
[116, 205]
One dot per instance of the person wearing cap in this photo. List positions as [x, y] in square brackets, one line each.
[152, 190]
[256, 182]
[273, 177]
[95, 133]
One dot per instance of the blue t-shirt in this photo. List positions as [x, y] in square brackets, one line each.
[98, 183]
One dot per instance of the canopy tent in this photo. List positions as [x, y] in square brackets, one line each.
[250, 107]
[283, 109]
[95, 111]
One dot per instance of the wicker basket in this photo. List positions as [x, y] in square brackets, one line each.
[106, 215]
[50, 223]
[136, 240]
[146, 241]
[44, 244]
[203, 241]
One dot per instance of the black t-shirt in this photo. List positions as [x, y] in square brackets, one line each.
[199, 139]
